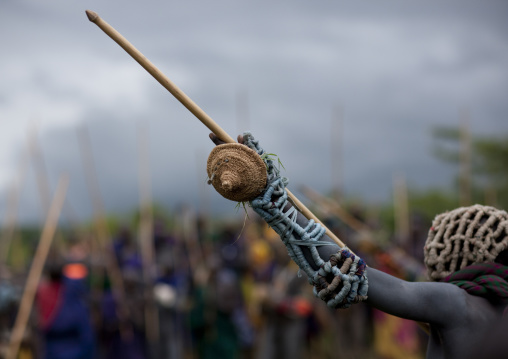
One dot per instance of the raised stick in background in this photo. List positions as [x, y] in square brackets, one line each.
[36, 268]
[337, 136]
[204, 193]
[336, 209]
[40, 170]
[189, 234]
[465, 160]
[103, 234]
[401, 209]
[188, 103]
[491, 196]
[330, 206]
[11, 217]
[242, 110]
[146, 235]
[44, 189]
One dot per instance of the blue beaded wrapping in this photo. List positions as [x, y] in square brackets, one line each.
[338, 287]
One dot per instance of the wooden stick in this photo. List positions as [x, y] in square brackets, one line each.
[242, 110]
[195, 252]
[204, 194]
[401, 209]
[187, 102]
[491, 196]
[337, 139]
[465, 160]
[11, 218]
[336, 209]
[41, 175]
[36, 268]
[103, 235]
[159, 76]
[146, 236]
[97, 272]
[40, 171]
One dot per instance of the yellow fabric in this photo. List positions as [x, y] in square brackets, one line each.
[396, 338]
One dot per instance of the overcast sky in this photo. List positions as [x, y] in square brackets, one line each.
[280, 69]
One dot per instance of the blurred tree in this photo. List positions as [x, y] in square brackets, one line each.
[446, 145]
[488, 163]
[432, 201]
[459, 151]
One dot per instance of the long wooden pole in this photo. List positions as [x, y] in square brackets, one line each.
[337, 210]
[465, 159]
[41, 174]
[337, 139]
[242, 109]
[401, 209]
[40, 171]
[103, 236]
[159, 76]
[189, 235]
[146, 236]
[34, 274]
[187, 102]
[11, 218]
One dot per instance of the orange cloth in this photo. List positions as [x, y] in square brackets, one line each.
[75, 271]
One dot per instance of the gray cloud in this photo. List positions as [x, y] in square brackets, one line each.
[396, 68]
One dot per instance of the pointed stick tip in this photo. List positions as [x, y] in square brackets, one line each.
[92, 15]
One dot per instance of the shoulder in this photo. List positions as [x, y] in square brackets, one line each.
[459, 309]
[442, 296]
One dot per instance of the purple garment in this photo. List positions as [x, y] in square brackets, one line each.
[70, 334]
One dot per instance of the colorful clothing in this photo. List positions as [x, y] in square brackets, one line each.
[488, 280]
[65, 320]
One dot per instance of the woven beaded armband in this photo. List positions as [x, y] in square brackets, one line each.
[340, 281]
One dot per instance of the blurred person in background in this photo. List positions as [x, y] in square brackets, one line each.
[171, 295]
[121, 330]
[287, 310]
[10, 296]
[125, 249]
[219, 321]
[63, 314]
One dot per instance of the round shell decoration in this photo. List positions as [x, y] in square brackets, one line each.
[237, 172]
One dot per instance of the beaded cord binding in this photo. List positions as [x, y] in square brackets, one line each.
[342, 280]
[465, 236]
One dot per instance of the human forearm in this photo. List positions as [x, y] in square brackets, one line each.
[429, 302]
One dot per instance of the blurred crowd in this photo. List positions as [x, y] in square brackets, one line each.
[211, 290]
